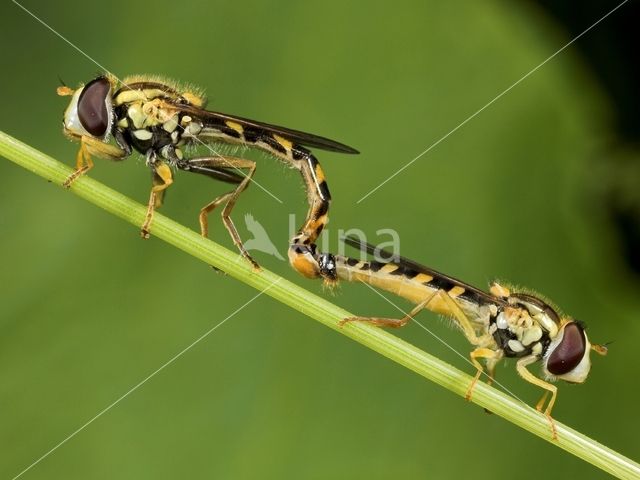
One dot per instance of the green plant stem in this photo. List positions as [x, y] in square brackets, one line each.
[323, 311]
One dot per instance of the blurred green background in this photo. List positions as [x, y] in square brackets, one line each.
[87, 309]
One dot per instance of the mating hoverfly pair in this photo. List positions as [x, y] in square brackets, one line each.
[161, 120]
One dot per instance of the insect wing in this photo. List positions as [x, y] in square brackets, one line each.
[296, 136]
[411, 265]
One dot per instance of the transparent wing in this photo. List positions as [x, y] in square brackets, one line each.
[296, 136]
[481, 296]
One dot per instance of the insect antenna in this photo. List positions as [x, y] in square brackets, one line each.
[601, 349]
[63, 90]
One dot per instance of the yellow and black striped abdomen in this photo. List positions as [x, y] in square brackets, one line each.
[296, 156]
[413, 285]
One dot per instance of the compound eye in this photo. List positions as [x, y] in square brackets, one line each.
[569, 352]
[92, 107]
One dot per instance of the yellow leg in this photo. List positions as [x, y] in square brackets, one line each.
[203, 218]
[542, 400]
[521, 367]
[92, 146]
[490, 366]
[83, 164]
[453, 310]
[389, 322]
[162, 178]
[229, 199]
[456, 312]
[490, 355]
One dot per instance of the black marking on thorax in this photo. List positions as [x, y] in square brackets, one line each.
[120, 112]
[503, 335]
[159, 139]
[147, 85]
[159, 136]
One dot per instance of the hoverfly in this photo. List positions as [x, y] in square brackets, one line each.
[160, 120]
[501, 323]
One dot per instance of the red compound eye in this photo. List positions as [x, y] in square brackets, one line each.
[569, 352]
[92, 107]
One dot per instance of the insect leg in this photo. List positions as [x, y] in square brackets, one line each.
[492, 357]
[490, 365]
[162, 178]
[91, 146]
[451, 308]
[542, 400]
[216, 167]
[454, 310]
[521, 367]
[203, 217]
[83, 164]
[390, 322]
